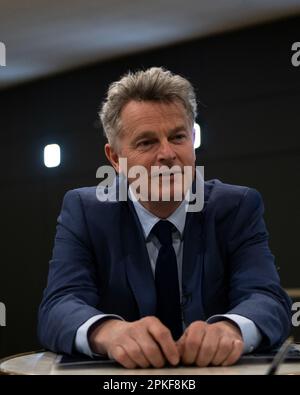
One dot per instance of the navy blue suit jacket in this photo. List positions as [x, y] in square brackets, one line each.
[100, 264]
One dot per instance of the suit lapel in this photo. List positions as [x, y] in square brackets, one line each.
[193, 264]
[138, 268]
[192, 268]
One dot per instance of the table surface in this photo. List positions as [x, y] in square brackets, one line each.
[45, 363]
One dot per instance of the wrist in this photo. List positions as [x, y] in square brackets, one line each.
[98, 333]
[231, 326]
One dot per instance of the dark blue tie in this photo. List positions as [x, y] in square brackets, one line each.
[166, 280]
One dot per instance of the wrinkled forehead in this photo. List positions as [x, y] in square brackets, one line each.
[152, 114]
[172, 103]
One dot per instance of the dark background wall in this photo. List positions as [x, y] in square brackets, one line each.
[250, 95]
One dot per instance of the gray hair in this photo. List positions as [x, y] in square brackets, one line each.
[154, 84]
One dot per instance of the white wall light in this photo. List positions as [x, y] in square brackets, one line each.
[197, 141]
[52, 155]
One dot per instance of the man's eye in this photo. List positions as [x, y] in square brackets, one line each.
[179, 137]
[144, 143]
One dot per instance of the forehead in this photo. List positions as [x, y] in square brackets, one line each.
[147, 114]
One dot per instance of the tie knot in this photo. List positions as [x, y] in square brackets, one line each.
[163, 231]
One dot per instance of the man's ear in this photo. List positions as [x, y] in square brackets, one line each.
[193, 140]
[193, 135]
[112, 156]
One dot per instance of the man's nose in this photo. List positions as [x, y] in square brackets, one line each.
[166, 152]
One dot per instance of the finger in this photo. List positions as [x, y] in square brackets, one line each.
[192, 344]
[152, 352]
[223, 351]
[180, 345]
[150, 349]
[120, 355]
[234, 356]
[207, 349]
[136, 354]
[162, 335]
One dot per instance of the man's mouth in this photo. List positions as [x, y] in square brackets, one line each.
[165, 173]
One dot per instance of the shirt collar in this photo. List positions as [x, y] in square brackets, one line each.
[148, 220]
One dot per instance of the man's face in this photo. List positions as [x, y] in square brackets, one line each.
[156, 134]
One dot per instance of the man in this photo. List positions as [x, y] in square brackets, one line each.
[147, 282]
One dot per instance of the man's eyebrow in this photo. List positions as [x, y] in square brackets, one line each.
[151, 133]
[144, 134]
[180, 128]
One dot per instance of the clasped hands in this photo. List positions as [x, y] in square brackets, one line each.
[148, 343]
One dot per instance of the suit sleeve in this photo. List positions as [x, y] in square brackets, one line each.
[71, 296]
[255, 290]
